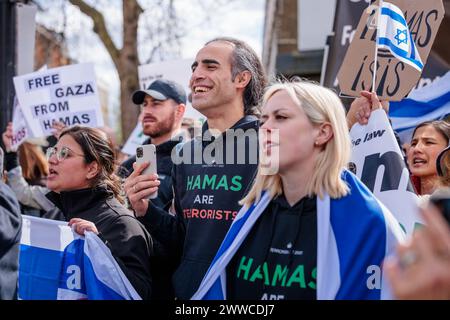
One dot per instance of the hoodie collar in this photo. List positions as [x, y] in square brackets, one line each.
[246, 122]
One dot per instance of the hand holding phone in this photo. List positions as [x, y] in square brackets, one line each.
[147, 154]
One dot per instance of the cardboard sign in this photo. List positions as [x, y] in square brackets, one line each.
[67, 94]
[378, 162]
[394, 78]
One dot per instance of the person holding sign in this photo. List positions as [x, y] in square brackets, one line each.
[85, 188]
[311, 229]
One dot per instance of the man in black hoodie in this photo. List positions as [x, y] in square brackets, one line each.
[10, 231]
[213, 172]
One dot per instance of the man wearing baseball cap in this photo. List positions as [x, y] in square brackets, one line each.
[163, 104]
[162, 108]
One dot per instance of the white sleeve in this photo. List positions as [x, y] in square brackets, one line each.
[32, 196]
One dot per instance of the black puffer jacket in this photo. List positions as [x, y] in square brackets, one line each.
[129, 242]
[10, 231]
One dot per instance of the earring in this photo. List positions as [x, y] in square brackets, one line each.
[316, 143]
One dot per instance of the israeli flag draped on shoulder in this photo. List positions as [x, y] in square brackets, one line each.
[354, 235]
[431, 102]
[393, 34]
[57, 264]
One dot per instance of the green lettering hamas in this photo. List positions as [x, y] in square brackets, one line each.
[214, 182]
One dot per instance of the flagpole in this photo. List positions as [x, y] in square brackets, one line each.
[380, 4]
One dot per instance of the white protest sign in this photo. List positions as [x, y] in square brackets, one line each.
[176, 70]
[67, 94]
[379, 164]
[21, 131]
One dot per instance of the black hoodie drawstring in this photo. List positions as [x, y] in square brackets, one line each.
[297, 234]
[275, 210]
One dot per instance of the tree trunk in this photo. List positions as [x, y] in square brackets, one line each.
[128, 66]
[126, 59]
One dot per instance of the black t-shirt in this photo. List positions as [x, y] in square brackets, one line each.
[277, 261]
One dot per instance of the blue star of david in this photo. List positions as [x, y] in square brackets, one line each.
[401, 37]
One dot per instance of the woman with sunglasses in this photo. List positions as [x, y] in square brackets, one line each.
[85, 188]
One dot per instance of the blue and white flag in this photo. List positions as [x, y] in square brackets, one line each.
[57, 264]
[393, 34]
[354, 235]
[431, 102]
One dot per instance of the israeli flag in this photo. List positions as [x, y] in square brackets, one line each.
[393, 34]
[431, 102]
[354, 235]
[57, 264]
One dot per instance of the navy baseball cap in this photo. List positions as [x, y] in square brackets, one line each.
[161, 89]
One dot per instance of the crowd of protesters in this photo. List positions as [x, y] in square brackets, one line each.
[165, 246]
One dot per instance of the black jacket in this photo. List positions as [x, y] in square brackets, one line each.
[206, 198]
[10, 232]
[129, 242]
[163, 265]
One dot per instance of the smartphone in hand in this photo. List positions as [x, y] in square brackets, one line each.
[147, 154]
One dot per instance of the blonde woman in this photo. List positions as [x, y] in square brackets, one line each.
[309, 229]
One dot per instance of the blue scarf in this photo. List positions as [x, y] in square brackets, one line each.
[354, 235]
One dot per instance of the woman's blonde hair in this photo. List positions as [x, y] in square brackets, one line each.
[320, 105]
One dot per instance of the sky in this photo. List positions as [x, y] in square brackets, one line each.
[242, 19]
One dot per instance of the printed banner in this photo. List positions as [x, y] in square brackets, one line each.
[378, 162]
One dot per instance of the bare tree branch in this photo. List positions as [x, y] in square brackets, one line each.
[99, 28]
